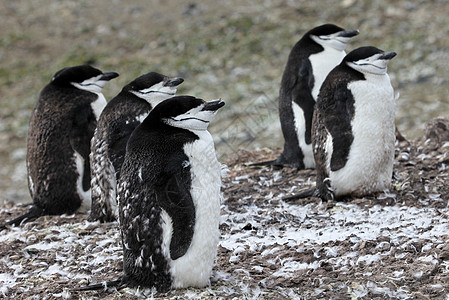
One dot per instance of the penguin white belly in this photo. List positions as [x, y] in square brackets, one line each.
[98, 105]
[195, 266]
[369, 166]
[298, 114]
[85, 196]
[322, 63]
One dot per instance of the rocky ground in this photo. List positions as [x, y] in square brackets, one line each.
[390, 245]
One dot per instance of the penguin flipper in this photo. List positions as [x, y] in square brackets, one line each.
[339, 125]
[33, 213]
[178, 202]
[320, 135]
[302, 95]
[117, 138]
[296, 101]
[83, 128]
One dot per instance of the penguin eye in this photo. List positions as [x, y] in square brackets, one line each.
[159, 88]
[371, 64]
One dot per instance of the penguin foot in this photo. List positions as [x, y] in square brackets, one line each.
[325, 190]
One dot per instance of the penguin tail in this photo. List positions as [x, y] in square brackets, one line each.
[274, 162]
[118, 284]
[312, 192]
[33, 213]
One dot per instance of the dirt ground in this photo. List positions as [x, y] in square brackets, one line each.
[390, 245]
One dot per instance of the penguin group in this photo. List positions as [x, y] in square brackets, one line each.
[147, 160]
[337, 114]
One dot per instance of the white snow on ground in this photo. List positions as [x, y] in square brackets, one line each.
[267, 230]
[394, 222]
[58, 245]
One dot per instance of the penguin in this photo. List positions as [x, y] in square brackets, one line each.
[353, 133]
[118, 120]
[169, 198]
[310, 60]
[61, 127]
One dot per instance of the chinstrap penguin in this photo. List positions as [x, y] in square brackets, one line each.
[169, 198]
[58, 146]
[309, 62]
[117, 121]
[353, 133]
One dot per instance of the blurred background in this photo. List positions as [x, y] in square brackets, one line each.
[235, 50]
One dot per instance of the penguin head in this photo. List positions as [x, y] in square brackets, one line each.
[185, 112]
[154, 87]
[83, 77]
[332, 36]
[369, 60]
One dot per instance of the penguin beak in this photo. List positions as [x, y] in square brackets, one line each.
[108, 76]
[348, 33]
[387, 55]
[213, 105]
[172, 82]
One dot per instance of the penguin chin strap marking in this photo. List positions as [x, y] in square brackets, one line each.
[90, 84]
[368, 68]
[190, 118]
[94, 84]
[372, 65]
[368, 64]
[90, 87]
[158, 92]
[340, 40]
[190, 123]
[333, 40]
[155, 96]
